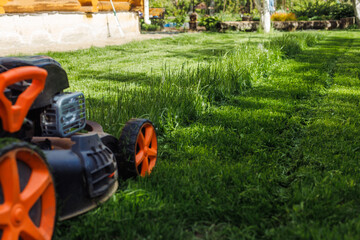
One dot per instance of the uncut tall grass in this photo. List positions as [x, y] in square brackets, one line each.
[180, 95]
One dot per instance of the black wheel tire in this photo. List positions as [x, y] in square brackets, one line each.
[138, 148]
[27, 193]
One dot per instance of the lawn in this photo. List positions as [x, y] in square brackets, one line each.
[259, 135]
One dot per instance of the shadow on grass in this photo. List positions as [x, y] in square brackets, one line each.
[106, 76]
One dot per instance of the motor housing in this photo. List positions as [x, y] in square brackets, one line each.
[65, 116]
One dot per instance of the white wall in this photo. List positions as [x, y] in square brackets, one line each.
[43, 32]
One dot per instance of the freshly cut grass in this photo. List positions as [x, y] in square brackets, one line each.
[254, 142]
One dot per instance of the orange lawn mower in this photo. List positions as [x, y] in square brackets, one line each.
[54, 164]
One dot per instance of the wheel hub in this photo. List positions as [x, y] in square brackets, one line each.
[17, 214]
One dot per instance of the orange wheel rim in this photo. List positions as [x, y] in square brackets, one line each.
[146, 150]
[18, 203]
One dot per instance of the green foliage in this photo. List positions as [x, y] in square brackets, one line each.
[353, 27]
[303, 18]
[168, 5]
[338, 11]
[323, 10]
[227, 16]
[149, 27]
[156, 25]
[210, 23]
[319, 18]
[179, 19]
[158, 22]
[232, 7]
[331, 9]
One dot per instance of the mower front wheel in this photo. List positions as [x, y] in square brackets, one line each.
[27, 194]
[138, 147]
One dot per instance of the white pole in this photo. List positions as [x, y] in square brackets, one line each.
[146, 12]
[267, 20]
[117, 20]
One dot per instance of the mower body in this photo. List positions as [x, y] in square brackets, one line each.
[53, 161]
[83, 168]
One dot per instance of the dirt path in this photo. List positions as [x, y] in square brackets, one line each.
[27, 50]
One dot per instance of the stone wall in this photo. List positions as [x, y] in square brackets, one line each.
[305, 25]
[247, 26]
[289, 25]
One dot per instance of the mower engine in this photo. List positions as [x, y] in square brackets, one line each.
[65, 116]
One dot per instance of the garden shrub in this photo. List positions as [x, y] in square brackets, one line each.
[338, 11]
[210, 23]
[302, 18]
[149, 27]
[323, 17]
[156, 25]
[323, 10]
[179, 20]
[352, 27]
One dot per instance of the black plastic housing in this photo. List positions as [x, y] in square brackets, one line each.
[56, 80]
[85, 175]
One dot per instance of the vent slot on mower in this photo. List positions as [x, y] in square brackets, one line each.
[99, 163]
[101, 170]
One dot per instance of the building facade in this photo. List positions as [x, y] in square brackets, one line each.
[33, 6]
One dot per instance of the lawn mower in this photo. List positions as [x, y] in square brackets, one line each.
[55, 164]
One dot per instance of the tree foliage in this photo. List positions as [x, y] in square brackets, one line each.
[174, 7]
[303, 9]
[330, 9]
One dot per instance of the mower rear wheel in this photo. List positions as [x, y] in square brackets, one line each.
[27, 194]
[138, 144]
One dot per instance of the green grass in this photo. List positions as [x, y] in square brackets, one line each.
[258, 135]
